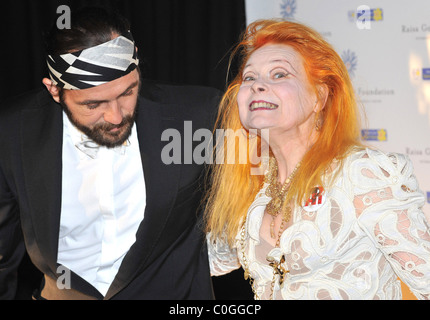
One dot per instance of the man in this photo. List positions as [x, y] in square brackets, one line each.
[83, 187]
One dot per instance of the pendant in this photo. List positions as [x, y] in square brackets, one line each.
[272, 228]
[276, 203]
[274, 206]
[278, 268]
[287, 214]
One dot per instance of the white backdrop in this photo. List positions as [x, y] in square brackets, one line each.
[386, 48]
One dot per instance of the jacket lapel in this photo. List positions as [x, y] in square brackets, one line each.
[41, 138]
[161, 182]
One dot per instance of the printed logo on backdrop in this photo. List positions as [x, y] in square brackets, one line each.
[416, 73]
[428, 196]
[363, 16]
[421, 73]
[350, 60]
[288, 9]
[374, 134]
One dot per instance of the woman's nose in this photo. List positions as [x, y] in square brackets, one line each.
[259, 86]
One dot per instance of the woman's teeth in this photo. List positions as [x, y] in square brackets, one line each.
[262, 105]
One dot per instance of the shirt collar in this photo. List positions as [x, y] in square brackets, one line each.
[79, 139]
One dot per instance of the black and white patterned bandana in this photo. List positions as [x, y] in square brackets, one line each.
[93, 66]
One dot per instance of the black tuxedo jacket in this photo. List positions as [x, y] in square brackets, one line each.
[169, 258]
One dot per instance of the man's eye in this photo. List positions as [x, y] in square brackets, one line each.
[93, 105]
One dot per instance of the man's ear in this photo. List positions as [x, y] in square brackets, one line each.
[52, 89]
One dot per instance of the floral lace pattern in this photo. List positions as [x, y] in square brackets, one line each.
[368, 231]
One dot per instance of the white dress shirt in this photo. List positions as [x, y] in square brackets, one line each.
[103, 203]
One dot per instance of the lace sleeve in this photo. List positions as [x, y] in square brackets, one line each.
[388, 204]
[222, 258]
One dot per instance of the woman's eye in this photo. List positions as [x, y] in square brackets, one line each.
[280, 75]
[248, 78]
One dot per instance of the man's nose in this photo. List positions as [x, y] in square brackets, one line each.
[113, 113]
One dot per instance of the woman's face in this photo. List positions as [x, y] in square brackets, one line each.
[275, 92]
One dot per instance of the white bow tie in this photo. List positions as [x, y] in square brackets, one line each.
[90, 148]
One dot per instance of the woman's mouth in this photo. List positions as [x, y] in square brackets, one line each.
[262, 105]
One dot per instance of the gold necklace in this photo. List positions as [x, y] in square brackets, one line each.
[278, 268]
[278, 193]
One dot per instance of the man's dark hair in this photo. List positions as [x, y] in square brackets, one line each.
[90, 27]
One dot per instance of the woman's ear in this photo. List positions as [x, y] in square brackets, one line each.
[52, 89]
[322, 95]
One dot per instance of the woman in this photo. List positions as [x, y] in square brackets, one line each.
[330, 219]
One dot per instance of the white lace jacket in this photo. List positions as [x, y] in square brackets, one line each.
[368, 230]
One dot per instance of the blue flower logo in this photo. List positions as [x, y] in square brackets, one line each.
[350, 60]
[288, 8]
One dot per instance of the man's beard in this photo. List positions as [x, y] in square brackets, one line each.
[101, 134]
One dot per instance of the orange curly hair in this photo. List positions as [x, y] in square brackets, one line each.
[231, 187]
